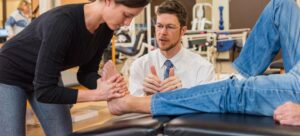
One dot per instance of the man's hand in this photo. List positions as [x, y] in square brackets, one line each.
[151, 82]
[171, 83]
[288, 114]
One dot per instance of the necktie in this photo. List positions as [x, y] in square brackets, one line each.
[169, 65]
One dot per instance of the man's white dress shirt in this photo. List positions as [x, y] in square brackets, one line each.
[191, 68]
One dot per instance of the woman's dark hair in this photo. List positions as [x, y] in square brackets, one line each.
[173, 7]
[131, 3]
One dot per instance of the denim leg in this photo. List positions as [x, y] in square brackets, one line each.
[12, 110]
[54, 118]
[287, 20]
[277, 27]
[255, 95]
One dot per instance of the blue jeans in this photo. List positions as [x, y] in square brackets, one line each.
[54, 118]
[277, 28]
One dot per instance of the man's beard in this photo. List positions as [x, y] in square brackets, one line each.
[173, 45]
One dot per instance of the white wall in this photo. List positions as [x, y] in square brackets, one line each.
[46, 5]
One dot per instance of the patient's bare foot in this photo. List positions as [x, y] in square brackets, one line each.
[129, 104]
[119, 106]
[109, 70]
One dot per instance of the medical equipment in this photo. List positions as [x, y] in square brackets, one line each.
[200, 21]
[221, 21]
[215, 41]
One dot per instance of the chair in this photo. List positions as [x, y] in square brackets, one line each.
[134, 50]
[276, 67]
[132, 53]
[278, 64]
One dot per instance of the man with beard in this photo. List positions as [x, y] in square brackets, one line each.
[274, 95]
[171, 66]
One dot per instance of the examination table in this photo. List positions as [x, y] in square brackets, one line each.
[200, 124]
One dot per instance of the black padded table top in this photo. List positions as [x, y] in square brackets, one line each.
[201, 124]
[126, 125]
[227, 124]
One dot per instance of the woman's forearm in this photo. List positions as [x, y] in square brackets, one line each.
[88, 96]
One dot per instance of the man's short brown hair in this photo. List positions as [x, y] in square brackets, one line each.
[173, 7]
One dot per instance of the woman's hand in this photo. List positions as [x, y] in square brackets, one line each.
[114, 87]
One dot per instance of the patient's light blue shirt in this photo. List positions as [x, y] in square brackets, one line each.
[16, 22]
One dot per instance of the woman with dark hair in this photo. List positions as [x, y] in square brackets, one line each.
[62, 38]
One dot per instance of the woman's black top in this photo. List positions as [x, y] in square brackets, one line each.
[55, 41]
